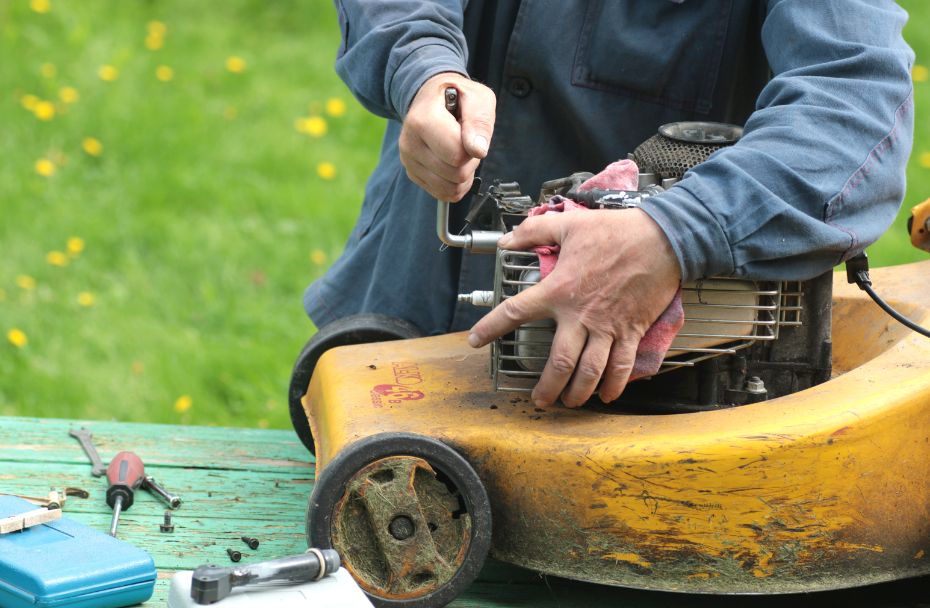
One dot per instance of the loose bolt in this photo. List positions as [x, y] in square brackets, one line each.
[251, 542]
[234, 555]
[167, 526]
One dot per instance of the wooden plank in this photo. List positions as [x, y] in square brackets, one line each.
[224, 494]
[38, 440]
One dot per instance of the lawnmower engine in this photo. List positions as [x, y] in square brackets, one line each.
[424, 467]
[742, 342]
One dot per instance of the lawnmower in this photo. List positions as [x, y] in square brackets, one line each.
[784, 445]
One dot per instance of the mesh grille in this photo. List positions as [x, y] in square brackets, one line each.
[722, 316]
[670, 158]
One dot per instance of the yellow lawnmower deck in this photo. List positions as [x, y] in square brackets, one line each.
[823, 489]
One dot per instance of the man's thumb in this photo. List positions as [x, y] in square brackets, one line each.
[537, 231]
[477, 126]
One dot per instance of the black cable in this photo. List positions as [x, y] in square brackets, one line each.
[857, 271]
[894, 313]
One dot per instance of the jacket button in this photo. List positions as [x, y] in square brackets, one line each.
[519, 87]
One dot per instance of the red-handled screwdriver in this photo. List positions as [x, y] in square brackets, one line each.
[125, 475]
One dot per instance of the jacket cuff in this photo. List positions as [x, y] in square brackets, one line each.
[419, 66]
[694, 233]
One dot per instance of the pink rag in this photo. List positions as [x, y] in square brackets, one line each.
[621, 175]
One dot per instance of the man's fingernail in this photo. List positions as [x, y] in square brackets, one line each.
[505, 240]
[474, 341]
[480, 142]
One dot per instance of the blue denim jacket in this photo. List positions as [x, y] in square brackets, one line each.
[823, 89]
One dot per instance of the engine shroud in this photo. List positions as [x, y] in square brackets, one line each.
[743, 341]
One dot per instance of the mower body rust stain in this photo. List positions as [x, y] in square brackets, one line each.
[826, 488]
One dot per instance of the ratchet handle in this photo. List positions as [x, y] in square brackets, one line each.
[293, 569]
[451, 95]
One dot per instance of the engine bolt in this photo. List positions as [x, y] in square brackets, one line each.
[234, 555]
[755, 385]
[251, 542]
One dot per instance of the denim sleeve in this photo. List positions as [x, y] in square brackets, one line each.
[391, 47]
[819, 172]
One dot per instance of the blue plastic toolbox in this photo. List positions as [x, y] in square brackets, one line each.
[68, 565]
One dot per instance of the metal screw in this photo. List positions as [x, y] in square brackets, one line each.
[251, 542]
[167, 526]
[401, 527]
[234, 555]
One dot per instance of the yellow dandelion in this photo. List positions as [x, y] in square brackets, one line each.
[230, 112]
[183, 403]
[107, 73]
[315, 126]
[326, 170]
[925, 160]
[335, 107]
[56, 258]
[157, 28]
[137, 367]
[164, 73]
[29, 101]
[68, 94]
[154, 42]
[40, 6]
[235, 64]
[919, 73]
[75, 245]
[45, 167]
[24, 281]
[48, 70]
[86, 299]
[318, 257]
[44, 110]
[263, 423]
[92, 146]
[17, 338]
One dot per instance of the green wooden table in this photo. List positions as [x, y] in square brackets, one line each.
[237, 482]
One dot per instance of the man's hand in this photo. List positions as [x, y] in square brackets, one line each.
[616, 273]
[440, 154]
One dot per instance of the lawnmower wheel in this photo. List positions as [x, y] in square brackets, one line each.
[355, 329]
[408, 515]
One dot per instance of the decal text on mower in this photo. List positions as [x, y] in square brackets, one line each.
[405, 375]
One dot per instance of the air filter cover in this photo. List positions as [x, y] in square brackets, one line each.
[678, 146]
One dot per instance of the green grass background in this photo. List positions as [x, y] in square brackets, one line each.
[204, 218]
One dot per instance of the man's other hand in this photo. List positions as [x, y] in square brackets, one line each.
[439, 153]
[615, 275]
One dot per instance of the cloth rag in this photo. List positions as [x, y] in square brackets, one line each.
[620, 175]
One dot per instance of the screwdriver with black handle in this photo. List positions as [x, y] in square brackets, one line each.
[125, 475]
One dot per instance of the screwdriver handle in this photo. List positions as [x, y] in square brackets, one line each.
[125, 475]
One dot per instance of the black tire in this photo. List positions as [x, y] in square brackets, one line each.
[331, 489]
[355, 329]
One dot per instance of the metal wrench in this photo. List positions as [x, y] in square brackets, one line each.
[85, 437]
